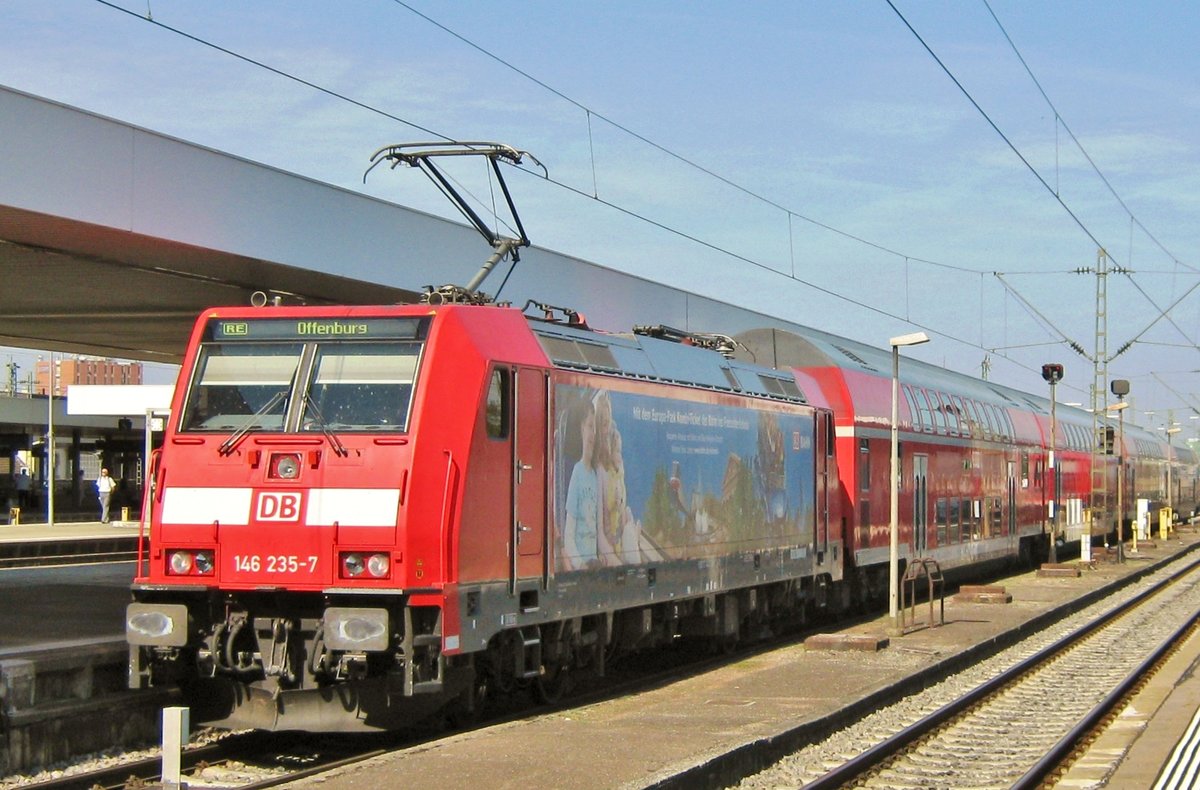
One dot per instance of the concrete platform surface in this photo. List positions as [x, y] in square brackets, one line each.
[640, 740]
[24, 533]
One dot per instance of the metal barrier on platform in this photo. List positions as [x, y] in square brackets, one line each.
[928, 569]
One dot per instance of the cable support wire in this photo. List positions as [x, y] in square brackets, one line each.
[1060, 120]
[1189, 400]
[1037, 315]
[591, 113]
[572, 189]
[983, 113]
[654, 223]
[1161, 315]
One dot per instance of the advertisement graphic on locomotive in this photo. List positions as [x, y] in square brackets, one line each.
[646, 479]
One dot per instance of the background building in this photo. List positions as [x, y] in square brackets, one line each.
[84, 370]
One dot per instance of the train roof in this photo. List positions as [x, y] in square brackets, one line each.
[647, 358]
[806, 348]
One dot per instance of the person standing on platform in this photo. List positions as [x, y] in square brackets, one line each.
[24, 486]
[104, 490]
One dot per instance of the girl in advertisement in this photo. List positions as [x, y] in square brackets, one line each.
[582, 524]
[618, 537]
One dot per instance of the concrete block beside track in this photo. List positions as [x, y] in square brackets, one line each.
[1061, 570]
[865, 643]
[62, 701]
[983, 593]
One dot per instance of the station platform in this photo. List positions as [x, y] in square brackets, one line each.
[62, 543]
[19, 533]
[756, 708]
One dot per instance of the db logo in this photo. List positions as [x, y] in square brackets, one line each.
[278, 507]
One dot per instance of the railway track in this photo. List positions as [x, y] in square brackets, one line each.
[259, 760]
[242, 760]
[1016, 719]
[289, 757]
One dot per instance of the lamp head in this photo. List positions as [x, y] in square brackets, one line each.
[913, 339]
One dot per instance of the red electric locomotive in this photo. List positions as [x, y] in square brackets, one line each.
[362, 514]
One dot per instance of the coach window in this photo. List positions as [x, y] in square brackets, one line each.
[955, 527]
[864, 464]
[978, 428]
[939, 414]
[951, 416]
[998, 525]
[980, 418]
[923, 410]
[941, 511]
[964, 419]
[498, 404]
[912, 406]
[993, 421]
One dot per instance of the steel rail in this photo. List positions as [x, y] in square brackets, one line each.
[879, 753]
[1058, 754]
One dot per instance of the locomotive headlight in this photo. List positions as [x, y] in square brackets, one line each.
[285, 466]
[352, 564]
[377, 565]
[160, 624]
[354, 628]
[204, 562]
[180, 562]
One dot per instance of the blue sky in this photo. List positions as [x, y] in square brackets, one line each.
[847, 158]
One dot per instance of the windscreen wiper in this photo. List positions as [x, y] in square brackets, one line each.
[231, 443]
[334, 442]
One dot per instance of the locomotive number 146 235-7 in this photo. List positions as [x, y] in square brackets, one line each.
[274, 563]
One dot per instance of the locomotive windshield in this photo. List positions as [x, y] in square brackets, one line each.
[245, 382]
[361, 387]
[244, 385]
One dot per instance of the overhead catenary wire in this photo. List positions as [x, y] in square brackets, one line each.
[1059, 120]
[790, 213]
[643, 218]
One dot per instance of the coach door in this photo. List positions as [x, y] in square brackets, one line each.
[920, 504]
[823, 453]
[529, 474]
[1011, 520]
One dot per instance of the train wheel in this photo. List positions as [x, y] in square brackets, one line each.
[552, 685]
[466, 711]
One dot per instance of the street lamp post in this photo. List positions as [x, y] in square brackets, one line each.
[50, 455]
[1170, 460]
[913, 339]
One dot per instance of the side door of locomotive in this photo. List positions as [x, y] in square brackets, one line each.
[530, 436]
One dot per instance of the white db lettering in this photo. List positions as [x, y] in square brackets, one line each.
[278, 507]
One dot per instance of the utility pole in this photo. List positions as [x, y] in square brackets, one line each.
[1099, 492]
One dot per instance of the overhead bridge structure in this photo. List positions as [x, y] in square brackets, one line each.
[113, 238]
